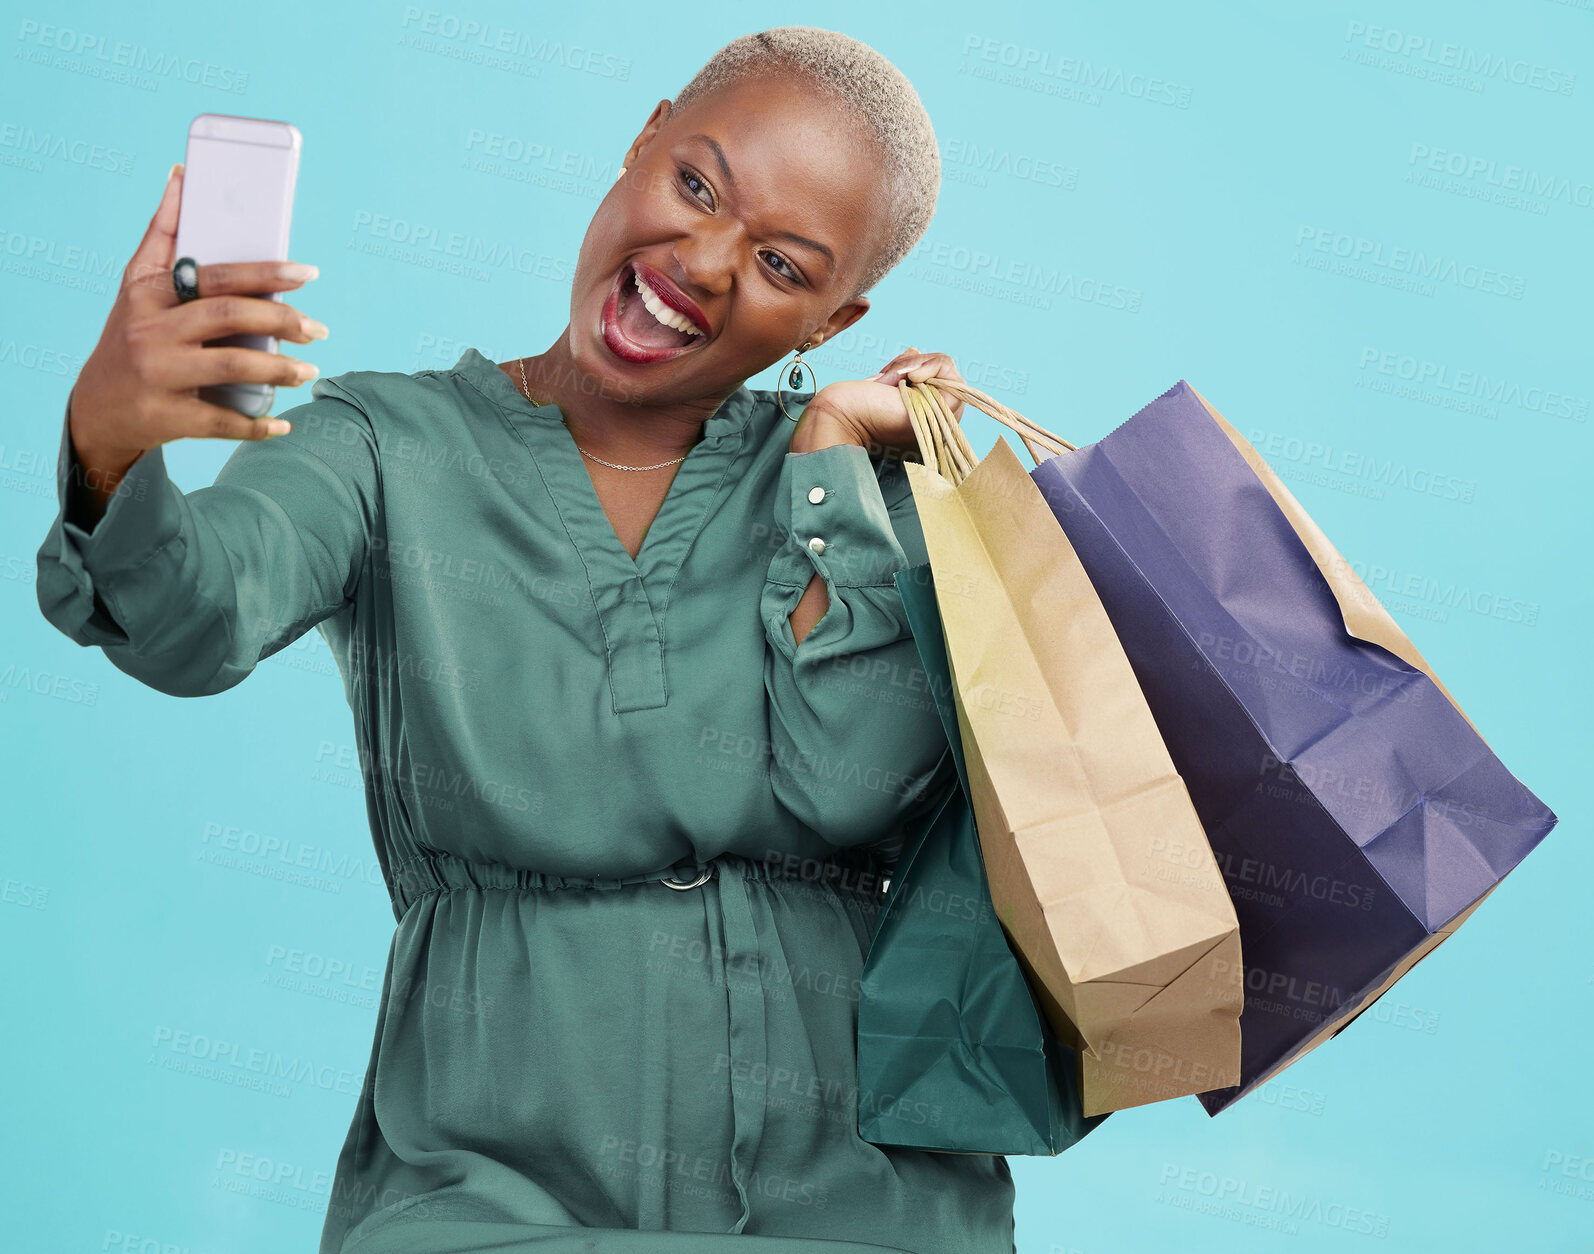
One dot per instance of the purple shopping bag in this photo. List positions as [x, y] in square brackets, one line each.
[1357, 815]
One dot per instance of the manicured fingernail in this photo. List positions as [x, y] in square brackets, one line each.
[298, 270]
[277, 426]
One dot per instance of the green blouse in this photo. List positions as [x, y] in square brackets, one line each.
[568, 1047]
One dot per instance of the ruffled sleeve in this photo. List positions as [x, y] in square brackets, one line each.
[187, 593]
[853, 728]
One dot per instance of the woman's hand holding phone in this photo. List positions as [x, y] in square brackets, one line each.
[138, 388]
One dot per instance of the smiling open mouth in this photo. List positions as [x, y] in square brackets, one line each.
[638, 326]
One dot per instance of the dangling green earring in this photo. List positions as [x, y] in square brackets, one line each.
[794, 377]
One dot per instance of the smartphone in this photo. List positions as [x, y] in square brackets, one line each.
[237, 205]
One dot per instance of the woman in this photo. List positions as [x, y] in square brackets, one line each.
[632, 682]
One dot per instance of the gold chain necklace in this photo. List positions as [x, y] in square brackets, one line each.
[584, 452]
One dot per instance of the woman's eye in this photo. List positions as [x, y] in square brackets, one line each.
[689, 178]
[789, 272]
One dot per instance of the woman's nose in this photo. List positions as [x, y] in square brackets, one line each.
[706, 262]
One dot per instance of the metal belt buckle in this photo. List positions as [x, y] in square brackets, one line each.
[706, 874]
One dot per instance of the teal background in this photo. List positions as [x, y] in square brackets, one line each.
[1205, 221]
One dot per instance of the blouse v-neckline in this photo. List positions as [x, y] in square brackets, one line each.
[631, 596]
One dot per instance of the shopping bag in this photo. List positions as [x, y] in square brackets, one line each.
[1136, 965]
[952, 1053]
[1358, 816]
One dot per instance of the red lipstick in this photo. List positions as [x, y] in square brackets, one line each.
[627, 349]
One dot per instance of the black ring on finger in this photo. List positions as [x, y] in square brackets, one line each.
[185, 278]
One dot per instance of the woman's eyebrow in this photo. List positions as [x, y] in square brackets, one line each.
[719, 155]
[725, 169]
[830, 257]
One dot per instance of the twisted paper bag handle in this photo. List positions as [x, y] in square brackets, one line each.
[942, 444]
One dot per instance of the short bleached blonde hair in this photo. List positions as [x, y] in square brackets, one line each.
[872, 90]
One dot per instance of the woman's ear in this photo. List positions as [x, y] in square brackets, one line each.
[650, 128]
[844, 317]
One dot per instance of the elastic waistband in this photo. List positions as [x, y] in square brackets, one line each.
[859, 875]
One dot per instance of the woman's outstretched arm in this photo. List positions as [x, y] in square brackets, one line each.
[187, 593]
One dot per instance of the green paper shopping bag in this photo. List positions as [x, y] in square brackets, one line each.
[952, 1053]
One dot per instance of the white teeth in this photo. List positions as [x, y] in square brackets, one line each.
[669, 317]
